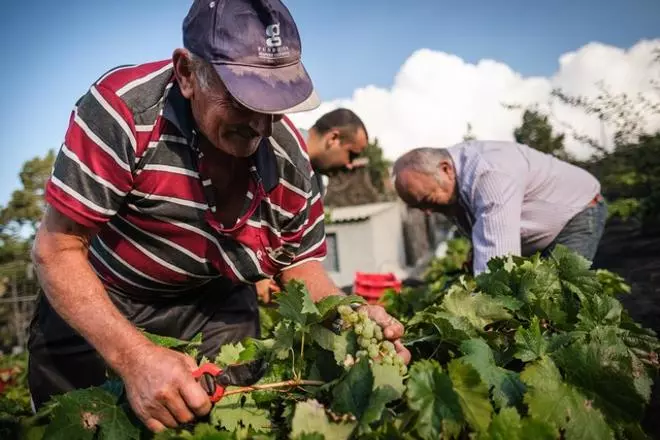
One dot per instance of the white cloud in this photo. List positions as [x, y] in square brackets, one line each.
[436, 94]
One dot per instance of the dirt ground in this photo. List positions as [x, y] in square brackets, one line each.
[636, 256]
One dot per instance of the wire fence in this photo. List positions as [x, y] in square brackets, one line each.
[18, 293]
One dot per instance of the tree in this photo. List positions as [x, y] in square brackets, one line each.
[628, 173]
[19, 220]
[536, 132]
[20, 217]
[379, 166]
[626, 115]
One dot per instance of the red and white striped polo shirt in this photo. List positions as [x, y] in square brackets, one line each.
[129, 166]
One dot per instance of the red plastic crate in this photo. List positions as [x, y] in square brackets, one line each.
[371, 286]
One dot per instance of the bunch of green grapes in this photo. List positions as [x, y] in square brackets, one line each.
[370, 338]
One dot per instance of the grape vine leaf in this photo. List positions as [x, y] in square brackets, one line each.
[255, 349]
[378, 400]
[496, 281]
[540, 287]
[329, 304]
[388, 376]
[285, 333]
[627, 349]
[351, 394]
[267, 319]
[81, 413]
[202, 431]
[310, 418]
[339, 345]
[314, 436]
[530, 343]
[604, 378]
[237, 410]
[276, 372]
[431, 395]
[479, 309]
[229, 354]
[507, 388]
[324, 337]
[452, 329]
[507, 425]
[597, 310]
[296, 304]
[188, 347]
[387, 387]
[551, 400]
[574, 273]
[472, 393]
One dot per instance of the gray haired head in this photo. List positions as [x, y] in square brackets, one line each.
[423, 160]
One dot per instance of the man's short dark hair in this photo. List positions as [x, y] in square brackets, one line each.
[343, 119]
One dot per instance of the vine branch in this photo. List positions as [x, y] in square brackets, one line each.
[284, 384]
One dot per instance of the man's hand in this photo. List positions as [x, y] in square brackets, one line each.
[320, 285]
[161, 388]
[265, 290]
[392, 329]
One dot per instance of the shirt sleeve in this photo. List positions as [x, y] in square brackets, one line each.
[93, 170]
[497, 208]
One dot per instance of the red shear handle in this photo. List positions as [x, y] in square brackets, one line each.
[214, 371]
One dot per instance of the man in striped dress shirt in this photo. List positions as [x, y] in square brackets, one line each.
[509, 198]
[179, 184]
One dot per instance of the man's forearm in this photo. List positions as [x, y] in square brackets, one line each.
[79, 297]
[316, 279]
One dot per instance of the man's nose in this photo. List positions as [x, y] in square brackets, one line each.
[262, 124]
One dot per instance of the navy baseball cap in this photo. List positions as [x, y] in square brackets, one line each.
[255, 48]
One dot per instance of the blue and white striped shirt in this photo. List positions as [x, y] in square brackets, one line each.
[517, 199]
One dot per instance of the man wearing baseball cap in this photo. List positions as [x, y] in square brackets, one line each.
[179, 184]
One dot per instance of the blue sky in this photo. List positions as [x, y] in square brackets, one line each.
[54, 50]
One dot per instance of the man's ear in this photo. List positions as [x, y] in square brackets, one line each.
[183, 72]
[445, 166]
[333, 137]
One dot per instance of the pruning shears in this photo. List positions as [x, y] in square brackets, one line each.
[214, 380]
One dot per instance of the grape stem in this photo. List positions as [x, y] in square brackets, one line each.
[284, 384]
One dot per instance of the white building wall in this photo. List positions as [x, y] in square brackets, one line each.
[355, 248]
[387, 232]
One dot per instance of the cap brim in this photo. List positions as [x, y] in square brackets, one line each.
[279, 90]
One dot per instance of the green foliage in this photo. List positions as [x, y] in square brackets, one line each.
[440, 273]
[552, 401]
[534, 348]
[87, 414]
[26, 205]
[432, 397]
[630, 179]
[18, 222]
[14, 395]
[629, 174]
[536, 132]
[310, 419]
[378, 165]
[624, 208]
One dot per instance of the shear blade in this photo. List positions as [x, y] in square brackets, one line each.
[243, 375]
